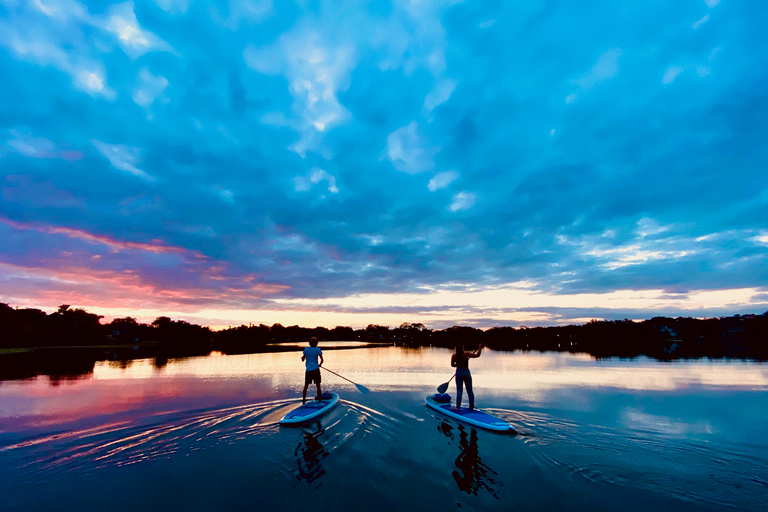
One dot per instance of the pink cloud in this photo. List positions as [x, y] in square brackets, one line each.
[157, 246]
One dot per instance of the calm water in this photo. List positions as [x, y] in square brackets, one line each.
[201, 434]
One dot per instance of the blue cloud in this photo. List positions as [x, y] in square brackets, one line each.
[386, 146]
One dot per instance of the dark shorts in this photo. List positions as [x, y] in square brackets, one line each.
[312, 376]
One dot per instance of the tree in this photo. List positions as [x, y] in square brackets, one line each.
[76, 327]
[125, 329]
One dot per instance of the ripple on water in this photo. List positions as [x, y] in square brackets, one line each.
[395, 440]
[145, 438]
[153, 437]
[648, 460]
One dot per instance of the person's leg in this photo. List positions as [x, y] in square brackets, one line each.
[304, 393]
[470, 394]
[314, 377]
[459, 381]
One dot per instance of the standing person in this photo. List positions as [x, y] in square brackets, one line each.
[311, 353]
[460, 361]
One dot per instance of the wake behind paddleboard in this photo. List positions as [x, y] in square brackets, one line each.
[310, 410]
[471, 416]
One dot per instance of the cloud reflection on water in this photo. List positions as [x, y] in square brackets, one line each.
[503, 371]
[236, 379]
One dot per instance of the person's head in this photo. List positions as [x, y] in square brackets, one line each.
[312, 341]
[459, 347]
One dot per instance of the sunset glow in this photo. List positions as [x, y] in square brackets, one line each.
[385, 162]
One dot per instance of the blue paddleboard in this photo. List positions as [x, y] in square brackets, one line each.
[310, 410]
[471, 416]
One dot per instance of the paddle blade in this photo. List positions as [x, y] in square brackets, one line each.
[442, 388]
[362, 388]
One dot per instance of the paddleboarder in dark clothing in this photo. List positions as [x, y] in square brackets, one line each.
[310, 357]
[460, 361]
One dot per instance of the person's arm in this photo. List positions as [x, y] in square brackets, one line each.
[321, 359]
[477, 352]
[453, 360]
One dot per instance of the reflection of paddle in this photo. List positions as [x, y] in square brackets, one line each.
[360, 387]
[442, 388]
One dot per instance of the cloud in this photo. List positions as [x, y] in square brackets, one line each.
[439, 94]
[61, 9]
[761, 238]
[87, 75]
[606, 67]
[442, 180]
[248, 11]
[39, 147]
[580, 159]
[316, 175]
[121, 157]
[700, 21]
[648, 227]
[409, 152]
[463, 201]
[121, 21]
[317, 67]
[173, 6]
[149, 89]
[671, 73]
[78, 234]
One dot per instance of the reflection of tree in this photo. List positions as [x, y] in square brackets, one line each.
[160, 361]
[59, 364]
[309, 453]
[472, 474]
[122, 364]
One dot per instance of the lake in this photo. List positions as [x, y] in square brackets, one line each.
[201, 434]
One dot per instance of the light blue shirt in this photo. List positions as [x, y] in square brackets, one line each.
[311, 354]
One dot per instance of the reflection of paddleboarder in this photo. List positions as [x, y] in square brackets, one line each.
[309, 454]
[471, 474]
[310, 356]
[460, 361]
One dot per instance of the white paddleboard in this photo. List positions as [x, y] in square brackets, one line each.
[310, 410]
[471, 416]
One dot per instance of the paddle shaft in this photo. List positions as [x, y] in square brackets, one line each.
[336, 374]
[359, 386]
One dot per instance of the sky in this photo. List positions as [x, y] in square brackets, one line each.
[480, 163]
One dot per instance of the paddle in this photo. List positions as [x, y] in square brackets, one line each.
[360, 387]
[442, 388]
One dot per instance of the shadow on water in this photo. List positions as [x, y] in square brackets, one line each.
[472, 475]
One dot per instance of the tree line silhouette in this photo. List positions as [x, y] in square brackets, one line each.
[53, 335]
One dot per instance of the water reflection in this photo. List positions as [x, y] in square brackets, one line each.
[471, 474]
[684, 433]
[57, 364]
[327, 345]
[309, 454]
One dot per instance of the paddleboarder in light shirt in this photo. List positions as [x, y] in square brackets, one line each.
[460, 361]
[310, 356]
